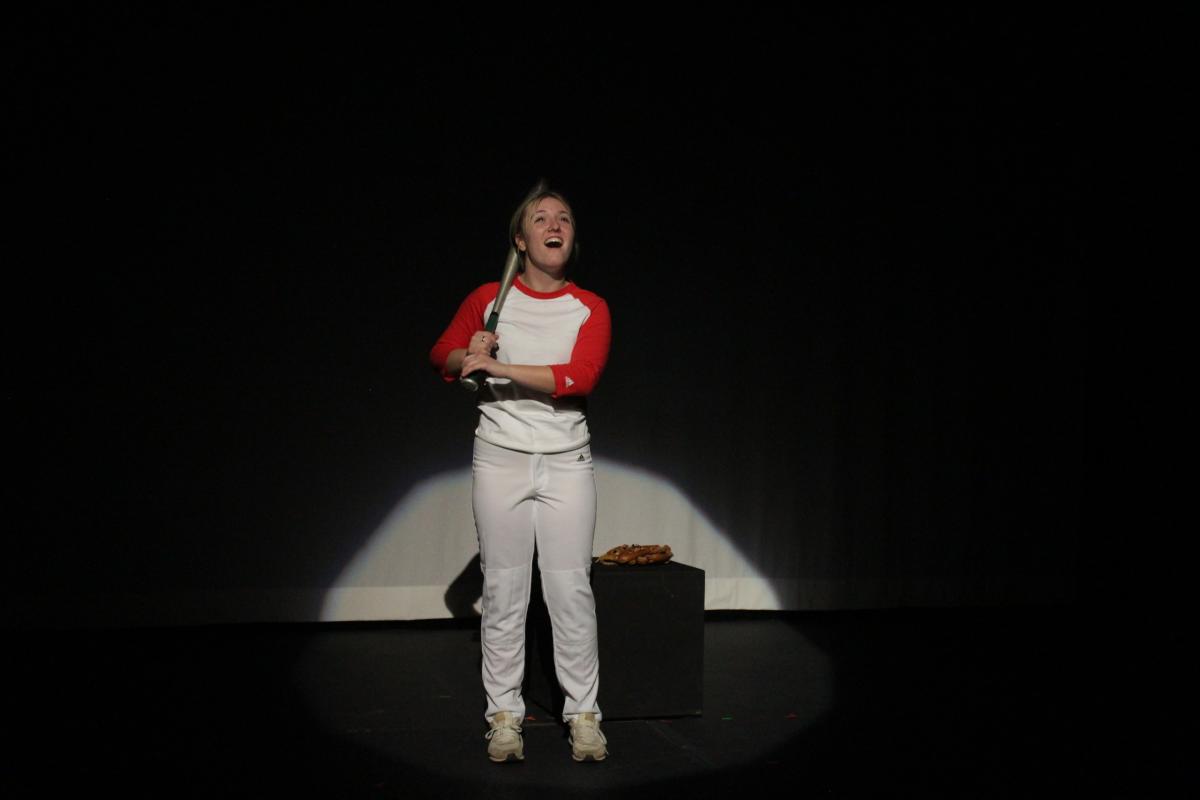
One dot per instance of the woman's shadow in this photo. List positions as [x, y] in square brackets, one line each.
[464, 592]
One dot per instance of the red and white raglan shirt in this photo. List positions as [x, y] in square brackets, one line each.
[568, 330]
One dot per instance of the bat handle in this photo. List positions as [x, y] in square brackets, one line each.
[474, 380]
[477, 378]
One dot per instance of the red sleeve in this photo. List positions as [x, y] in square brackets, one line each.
[581, 374]
[466, 322]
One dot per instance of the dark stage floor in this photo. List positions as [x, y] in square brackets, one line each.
[964, 703]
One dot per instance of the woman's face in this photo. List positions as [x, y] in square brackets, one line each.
[547, 235]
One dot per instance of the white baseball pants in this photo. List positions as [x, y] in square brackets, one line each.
[547, 498]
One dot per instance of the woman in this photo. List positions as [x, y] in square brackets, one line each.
[532, 469]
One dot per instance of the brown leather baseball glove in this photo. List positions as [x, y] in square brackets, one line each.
[637, 554]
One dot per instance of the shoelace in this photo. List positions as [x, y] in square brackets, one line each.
[587, 731]
[512, 727]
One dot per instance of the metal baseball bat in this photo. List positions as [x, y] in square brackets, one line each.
[476, 378]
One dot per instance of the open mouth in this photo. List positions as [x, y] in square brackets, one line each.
[554, 241]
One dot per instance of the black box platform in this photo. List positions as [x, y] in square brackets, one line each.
[651, 628]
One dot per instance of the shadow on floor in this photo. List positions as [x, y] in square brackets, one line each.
[967, 702]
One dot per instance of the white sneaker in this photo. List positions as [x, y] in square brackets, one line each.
[504, 739]
[587, 742]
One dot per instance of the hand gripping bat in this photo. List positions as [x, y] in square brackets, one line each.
[476, 378]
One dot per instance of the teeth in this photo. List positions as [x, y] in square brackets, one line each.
[554, 242]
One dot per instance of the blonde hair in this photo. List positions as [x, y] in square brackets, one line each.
[540, 191]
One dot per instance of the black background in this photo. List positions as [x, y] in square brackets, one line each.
[841, 252]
